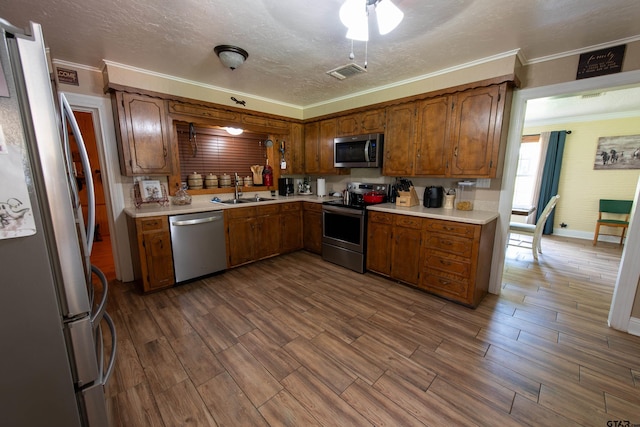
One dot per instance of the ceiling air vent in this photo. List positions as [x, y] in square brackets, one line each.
[346, 71]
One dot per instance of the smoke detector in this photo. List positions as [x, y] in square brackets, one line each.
[346, 71]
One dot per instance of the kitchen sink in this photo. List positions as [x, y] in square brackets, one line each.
[234, 201]
[255, 199]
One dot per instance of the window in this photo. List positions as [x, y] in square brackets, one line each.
[526, 185]
[213, 150]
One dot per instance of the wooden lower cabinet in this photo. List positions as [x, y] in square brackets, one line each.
[447, 258]
[394, 246]
[406, 248]
[312, 227]
[291, 227]
[457, 260]
[253, 233]
[151, 252]
[379, 238]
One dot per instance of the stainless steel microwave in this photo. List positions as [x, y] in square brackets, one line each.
[361, 151]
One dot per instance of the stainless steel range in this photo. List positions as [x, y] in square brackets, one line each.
[344, 224]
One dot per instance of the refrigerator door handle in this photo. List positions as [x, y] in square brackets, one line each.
[114, 344]
[67, 113]
[96, 316]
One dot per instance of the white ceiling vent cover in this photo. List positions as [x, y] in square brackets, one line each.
[345, 71]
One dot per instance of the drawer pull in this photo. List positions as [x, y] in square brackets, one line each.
[443, 262]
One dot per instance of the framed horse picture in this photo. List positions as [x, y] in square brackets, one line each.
[618, 152]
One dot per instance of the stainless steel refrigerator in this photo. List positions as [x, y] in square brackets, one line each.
[53, 367]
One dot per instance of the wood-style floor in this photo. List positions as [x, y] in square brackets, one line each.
[295, 341]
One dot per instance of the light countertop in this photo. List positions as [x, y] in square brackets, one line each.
[471, 217]
[204, 204]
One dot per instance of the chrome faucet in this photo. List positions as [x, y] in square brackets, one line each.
[237, 192]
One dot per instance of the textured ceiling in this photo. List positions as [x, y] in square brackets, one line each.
[292, 43]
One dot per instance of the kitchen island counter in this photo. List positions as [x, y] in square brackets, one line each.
[469, 217]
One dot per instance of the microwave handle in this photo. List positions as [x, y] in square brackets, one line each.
[366, 150]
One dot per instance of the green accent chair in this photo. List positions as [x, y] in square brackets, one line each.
[613, 213]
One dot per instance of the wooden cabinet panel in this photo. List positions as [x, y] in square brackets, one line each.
[312, 227]
[372, 121]
[312, 147]
[294, 150]
[291, 227]
[143, 130]
[476, 132]
[267, 237]
[379, 236]
[399, 142]
[327, 135]
[151, 251]
[405, 254]
[432, 145]
[241, 234]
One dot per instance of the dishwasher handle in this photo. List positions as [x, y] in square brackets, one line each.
[196, 221]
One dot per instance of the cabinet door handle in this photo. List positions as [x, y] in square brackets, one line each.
[455, 152]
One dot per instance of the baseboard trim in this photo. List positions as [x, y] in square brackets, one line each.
[586, 235]
[634, 326]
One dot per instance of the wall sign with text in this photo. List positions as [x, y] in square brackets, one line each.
[601, 62]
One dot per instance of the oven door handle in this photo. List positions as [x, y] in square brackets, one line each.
[356, 213]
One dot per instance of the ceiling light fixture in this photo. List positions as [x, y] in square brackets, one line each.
[231, 56]
[233, 131]
[354, 14]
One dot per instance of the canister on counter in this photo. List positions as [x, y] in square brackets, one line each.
[465, 195]
[195, 181]
[211, 181]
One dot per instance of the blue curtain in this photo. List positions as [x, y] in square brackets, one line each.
[551, 175]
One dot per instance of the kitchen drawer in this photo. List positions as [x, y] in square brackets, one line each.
[381, 217]
[452, 244]
[311, 206]
[407, 221]
[451, 227]
[446, 284]
[442, 262]
[241, 212]
[151, 224]
[268, 209]
[290, 207]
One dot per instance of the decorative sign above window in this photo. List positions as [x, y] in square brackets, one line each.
[601, 62]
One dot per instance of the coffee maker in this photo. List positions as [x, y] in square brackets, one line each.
[285, 186]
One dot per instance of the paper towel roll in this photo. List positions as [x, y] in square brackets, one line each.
[322, 190]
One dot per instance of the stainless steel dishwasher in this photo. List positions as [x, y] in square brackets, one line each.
[198, 244]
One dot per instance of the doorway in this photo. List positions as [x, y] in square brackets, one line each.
[101, 255]
[622, 80]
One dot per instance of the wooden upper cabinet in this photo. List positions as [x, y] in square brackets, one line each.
[294, 150]
[318, 147]
[476, 132]
[311, 147]
[399, 142]
[432, 141]
[372, 121]
[145, 141]
[458, 136]
[327, 135]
